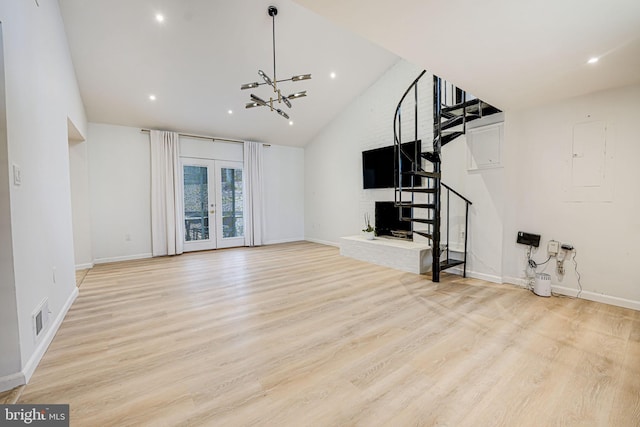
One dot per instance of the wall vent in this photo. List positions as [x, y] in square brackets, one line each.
[41, 318]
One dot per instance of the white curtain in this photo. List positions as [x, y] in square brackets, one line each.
[254, 176]
[167, 233]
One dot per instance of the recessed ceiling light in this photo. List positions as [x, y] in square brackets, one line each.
[332, 75]
[290, 122]
[230, 111]
[152, 97]
[593, 60]
[159, 17]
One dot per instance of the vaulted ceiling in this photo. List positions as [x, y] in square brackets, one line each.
[513, 54]
[195, 61]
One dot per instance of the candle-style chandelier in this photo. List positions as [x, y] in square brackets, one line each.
[278, 98]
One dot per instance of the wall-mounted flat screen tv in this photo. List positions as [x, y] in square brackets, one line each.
[378, 166]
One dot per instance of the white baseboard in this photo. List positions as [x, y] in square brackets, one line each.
[593, 296]
[34, 360]
[10, 381]
[518, 281]
[85, 266]
[278, 241]
[322, 242]
[121, 258]
[588, 295]
[482, 276]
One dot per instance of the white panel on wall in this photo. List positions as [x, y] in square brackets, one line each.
[588, 154]
[485, 147]
[589, 172]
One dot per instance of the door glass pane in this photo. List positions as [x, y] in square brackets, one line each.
[196, 203]
[232, 203]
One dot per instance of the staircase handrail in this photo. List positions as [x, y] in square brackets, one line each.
[411, 86]
[469, 202]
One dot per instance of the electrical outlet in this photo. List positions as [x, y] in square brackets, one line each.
[553, 247]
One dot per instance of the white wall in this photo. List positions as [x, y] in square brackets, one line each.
[485, 189]
[284, 194]
[80, 202]
[41, 95]
[527, 193]
[120, 186]
[119, 176]
[9, 336]
[335, 201]
[538, 154]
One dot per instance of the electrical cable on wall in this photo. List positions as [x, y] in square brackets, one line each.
[575, 263]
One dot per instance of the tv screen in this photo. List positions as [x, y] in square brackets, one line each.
[378, 166]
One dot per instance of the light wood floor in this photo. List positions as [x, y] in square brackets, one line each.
[80, 275]
[295, 335]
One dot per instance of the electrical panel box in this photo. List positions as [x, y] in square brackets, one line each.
[553, 247]
[528, 239]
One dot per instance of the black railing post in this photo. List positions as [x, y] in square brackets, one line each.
[448, 218]
[466, 236]
[437, 145]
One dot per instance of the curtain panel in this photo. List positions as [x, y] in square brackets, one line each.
[254, 173]
[167, 232]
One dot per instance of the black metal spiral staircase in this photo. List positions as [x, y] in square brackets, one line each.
[451, 113]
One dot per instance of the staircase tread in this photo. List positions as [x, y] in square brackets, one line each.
[416, 205]
[450, 263]
[430, 156]
[459, 106]
[422, 220]
[452, 122]
[423, 234]
[418, 190]
[445, 139]
[423, 173]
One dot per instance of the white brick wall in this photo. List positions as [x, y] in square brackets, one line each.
[335, 201]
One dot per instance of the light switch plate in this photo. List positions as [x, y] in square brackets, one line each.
[17, 175]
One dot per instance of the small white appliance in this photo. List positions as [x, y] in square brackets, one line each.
[542, 285]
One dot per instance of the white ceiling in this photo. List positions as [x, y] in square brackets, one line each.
[512, 53]
[196, 60]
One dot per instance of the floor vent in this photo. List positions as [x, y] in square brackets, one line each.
[41, 318]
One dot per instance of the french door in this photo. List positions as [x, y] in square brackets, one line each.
[213, 204]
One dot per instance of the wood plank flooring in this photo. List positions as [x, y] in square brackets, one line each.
[295, 335]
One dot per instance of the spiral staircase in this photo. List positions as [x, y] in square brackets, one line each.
[425, 190]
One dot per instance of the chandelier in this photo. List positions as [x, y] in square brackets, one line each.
[277, 98]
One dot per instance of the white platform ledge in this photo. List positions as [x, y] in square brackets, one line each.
[394, 253]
